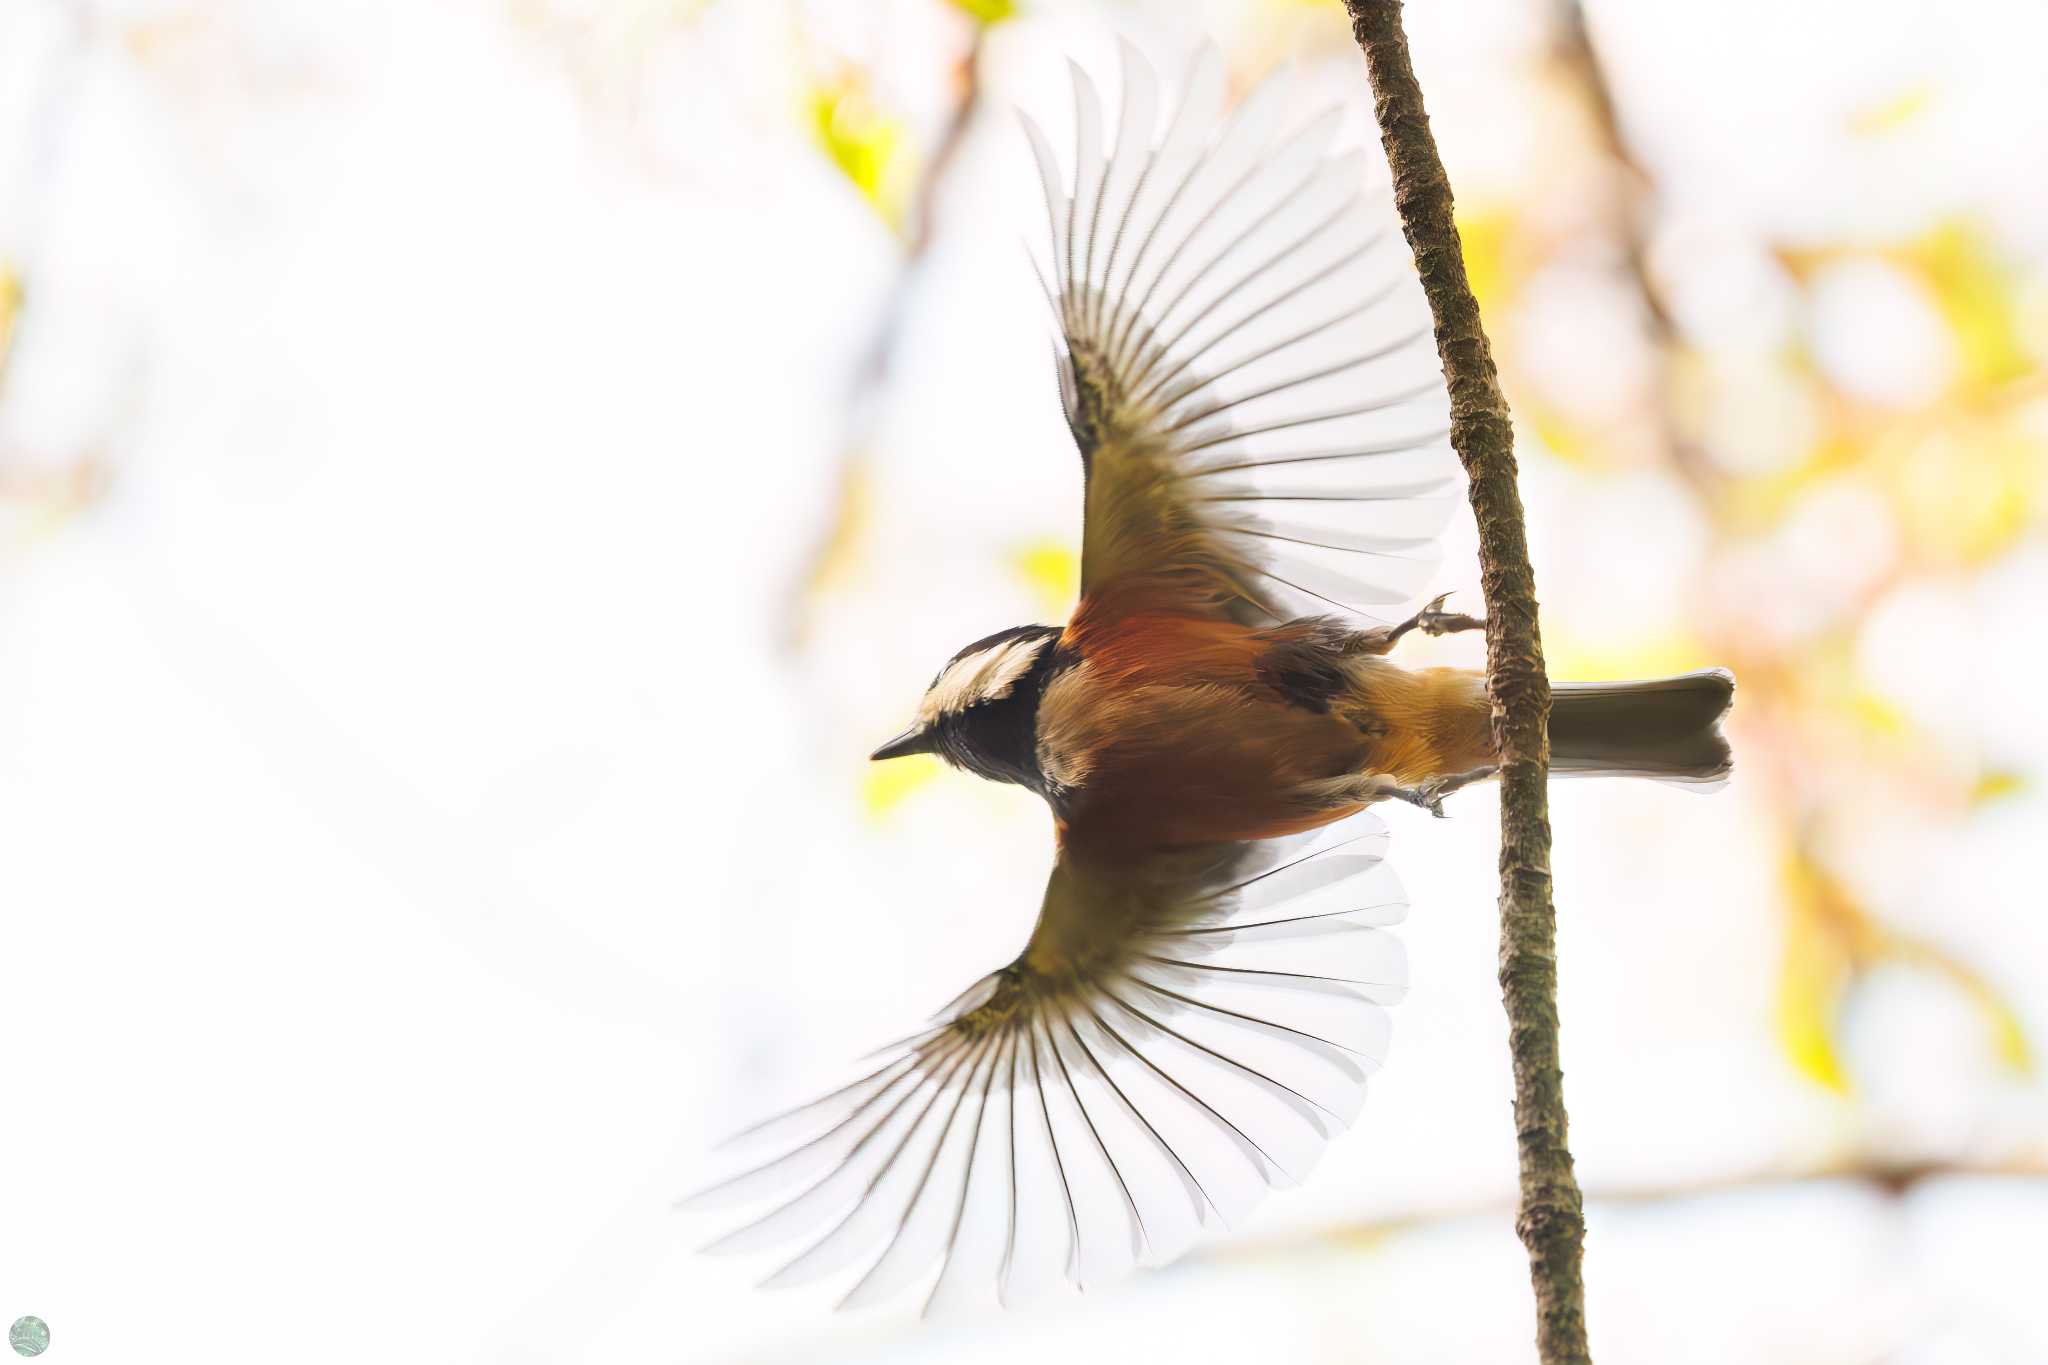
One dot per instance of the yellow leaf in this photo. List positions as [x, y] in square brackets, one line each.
[2008, 1036]
[1486, 235]
[987, 12]
[1892, 114]
[1968, 490]
[1878, 714]
[1830, 942]
[1571, 656]
[867, 145]
[839, 549]
[2009, 1040]
[1807, 1000]
[1562, 439]
[1977, 296]
[1053, 572]
[10, 308]
[885, 786]
[1995, 784]
[1812, 979]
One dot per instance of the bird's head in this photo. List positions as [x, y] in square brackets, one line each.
[981, 711]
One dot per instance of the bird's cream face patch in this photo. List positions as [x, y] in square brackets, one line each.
[986, 675]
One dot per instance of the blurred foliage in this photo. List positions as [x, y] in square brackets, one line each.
[1825, 936]
[1570, 655]
[837, 548]
[1996, 784]
[1945, 483]
[885, 786]
[1892, 114]
[869, 146]
[1487, 236]
[10, 310]
[1052, 570]
[35, 499]
[987, 12]
[1831, 942]
[607, 48]
[1977, 294]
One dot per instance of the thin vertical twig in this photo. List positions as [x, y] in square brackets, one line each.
[1551, 1220]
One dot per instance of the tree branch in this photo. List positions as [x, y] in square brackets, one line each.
[1552, 1218]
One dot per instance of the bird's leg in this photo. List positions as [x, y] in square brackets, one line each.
[1431, 620]
[1371, 787]
[1427, 796]
[1439, 787]
[1421, 797]
[1362, 789]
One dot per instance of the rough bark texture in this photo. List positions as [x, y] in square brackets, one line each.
[1552, 1219]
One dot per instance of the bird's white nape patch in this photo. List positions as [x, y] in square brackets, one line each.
[986, 675]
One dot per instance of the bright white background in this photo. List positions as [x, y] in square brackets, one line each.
[423, 831]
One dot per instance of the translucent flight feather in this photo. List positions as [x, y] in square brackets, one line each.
[1244, 355]
[1178, 1037]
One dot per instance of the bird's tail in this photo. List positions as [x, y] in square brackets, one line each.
[1666, 728]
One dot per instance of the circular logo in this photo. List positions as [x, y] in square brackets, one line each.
[30, 1336]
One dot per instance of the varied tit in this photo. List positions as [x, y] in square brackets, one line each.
[1247, 370]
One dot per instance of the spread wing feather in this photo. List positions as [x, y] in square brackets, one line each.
[1175, 1039]
[1243, 356]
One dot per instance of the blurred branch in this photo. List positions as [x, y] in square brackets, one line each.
[35, 497]
[966, 91]
[1551, 1220]
[872, 374]
[1892, 1178]
[1629, 197]
[1575, 49]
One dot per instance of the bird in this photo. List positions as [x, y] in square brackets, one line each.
[1245, 362]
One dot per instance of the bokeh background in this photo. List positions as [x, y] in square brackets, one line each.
[477, 476]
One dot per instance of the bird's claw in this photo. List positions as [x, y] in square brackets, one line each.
[1434, 620]
[1429, 796]
[1431, 620]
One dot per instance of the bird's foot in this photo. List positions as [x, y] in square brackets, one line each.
[1374, 787]
[1431, 620]
[1434, 620]
[1430, 795]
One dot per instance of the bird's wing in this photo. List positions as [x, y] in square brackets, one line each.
[1177, 1037]
[1244, 356]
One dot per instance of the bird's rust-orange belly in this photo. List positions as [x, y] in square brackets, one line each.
[1158, 765]
[1169, 733]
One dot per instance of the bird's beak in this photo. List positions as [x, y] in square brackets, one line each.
[912, 741]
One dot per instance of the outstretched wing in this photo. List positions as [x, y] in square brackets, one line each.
[1175, 1039]
[1245, 359]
